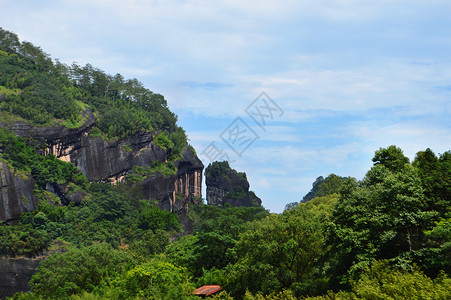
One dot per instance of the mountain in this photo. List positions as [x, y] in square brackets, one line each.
[227, 186]
[65, 131]
[54, 117]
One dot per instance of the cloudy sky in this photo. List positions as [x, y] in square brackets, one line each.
[341, 78]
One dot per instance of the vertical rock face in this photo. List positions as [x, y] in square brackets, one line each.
[16, 194]
[227, 186]
[105, 161]
[15, 273]
[175, 192]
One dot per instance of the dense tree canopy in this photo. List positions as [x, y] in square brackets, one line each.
[391, 157]
[62, 275]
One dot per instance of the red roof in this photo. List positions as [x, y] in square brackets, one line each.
[207, 290]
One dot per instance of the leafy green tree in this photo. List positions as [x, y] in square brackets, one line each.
[283, 295]
[43, 61]
[153, 218]
[210, 250]
[148, 244]
[24, 240]
[436, 253]
[330, 185]
[324, 186]
[382, 282]
[109, 206]
[154, 280]
[278, 252]
[381, 217]
[9, 41]
[52, 212]
[391, 157]
[107, 216]
[435, 176]
[181, 252]
[163, 141]
[179, 140]
[64, 274]
[230, 221]
[291, 205]
[217, 169]
[217, 232]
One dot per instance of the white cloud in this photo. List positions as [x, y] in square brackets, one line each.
[411, 137]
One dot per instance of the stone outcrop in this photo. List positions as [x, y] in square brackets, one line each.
[16, 194]
[175, 192]
[53, 134]
[15, 273]
[99, 160]
[227, 186]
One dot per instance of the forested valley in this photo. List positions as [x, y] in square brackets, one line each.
[386, 236]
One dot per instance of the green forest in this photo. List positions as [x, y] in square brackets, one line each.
[386, 236]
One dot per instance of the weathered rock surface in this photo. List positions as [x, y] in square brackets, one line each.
[52, 134]
[16, 194]
[175, 192]
[227, 186]
[15, 273]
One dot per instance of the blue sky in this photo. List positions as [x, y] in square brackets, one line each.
[350, 76]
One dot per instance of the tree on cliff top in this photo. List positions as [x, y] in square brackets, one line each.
[324, 186]
[217, 168]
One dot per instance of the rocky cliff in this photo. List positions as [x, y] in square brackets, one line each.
[227, 186]
[175, 192]
[101, 160]
[15, 273]
[16, 194]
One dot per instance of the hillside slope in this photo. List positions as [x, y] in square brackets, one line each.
[111, 129]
